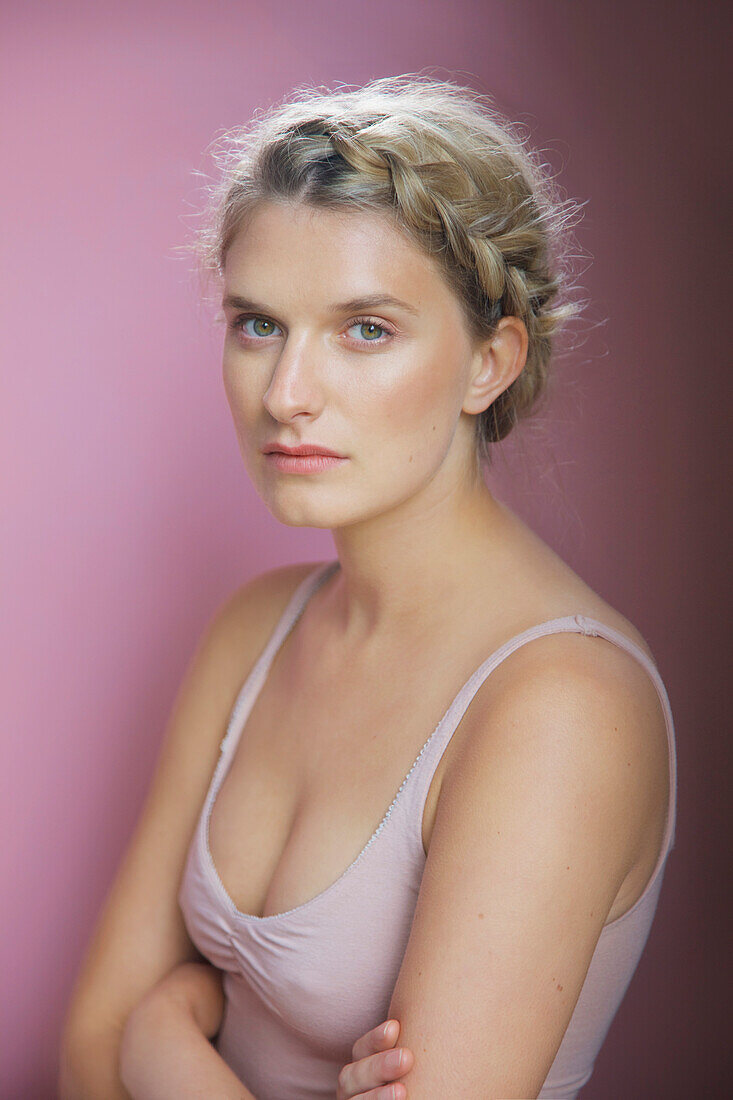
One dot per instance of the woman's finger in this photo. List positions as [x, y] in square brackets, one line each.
[378, 1038]
[375, 1077]
[385, 1092]
[382, 1037]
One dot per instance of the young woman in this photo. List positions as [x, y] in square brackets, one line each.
[391, 269]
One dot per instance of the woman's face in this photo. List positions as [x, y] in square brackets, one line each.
[382, 384]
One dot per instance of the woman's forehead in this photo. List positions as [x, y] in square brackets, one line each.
[350, 253]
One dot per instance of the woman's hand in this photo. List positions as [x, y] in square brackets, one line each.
[369, 1076]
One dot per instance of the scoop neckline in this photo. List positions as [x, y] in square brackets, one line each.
[294, 609]
[289, 619]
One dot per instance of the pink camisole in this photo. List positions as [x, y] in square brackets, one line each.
[301, 986]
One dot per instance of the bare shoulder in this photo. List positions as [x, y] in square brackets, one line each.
[247, 616]
[233, 636]
[588, 679]
[586, 714]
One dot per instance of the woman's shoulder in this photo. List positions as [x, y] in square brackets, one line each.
[544, 586]
[269, 587]
[566, 668]
[579, 658]
[580, 697]
[246, 617]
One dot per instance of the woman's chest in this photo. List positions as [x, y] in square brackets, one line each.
[325, 748]
[314, 772]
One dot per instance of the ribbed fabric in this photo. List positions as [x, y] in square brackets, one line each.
[301, 986]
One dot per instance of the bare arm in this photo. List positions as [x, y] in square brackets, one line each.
[540, 818]
[165, 1049]
[88, 1067]
[140, 935]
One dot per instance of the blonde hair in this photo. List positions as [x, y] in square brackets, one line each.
[451, 171]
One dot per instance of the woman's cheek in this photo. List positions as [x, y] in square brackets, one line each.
[421, 415]
[240, 397]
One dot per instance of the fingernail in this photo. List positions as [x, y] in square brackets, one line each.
[388, 1029]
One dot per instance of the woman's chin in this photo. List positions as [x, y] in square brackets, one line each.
[304, 513]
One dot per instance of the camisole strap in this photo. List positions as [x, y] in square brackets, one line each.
[435, 746]
[252, 685]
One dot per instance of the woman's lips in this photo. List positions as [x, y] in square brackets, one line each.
[302, 464]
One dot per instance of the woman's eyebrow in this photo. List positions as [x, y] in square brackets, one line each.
[352, 305]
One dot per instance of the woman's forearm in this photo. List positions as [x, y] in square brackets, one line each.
[164, 1053]
[89, 1068]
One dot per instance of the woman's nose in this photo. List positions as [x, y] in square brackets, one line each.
[295, 382]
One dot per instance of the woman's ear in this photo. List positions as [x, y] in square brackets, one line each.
[497, 361]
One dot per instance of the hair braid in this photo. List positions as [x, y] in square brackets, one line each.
[455, 176]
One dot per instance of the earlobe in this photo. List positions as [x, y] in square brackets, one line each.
[485, 384]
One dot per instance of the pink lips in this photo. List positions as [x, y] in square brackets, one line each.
[301, 449]
[306, 458]
[312, 463]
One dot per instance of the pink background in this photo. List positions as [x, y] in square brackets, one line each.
[130, 515]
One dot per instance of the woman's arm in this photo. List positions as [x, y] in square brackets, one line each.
[140, 935]
[88, 1067]
[541, 815]
[166, 1049]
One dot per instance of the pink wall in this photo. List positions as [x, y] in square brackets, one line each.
[131, 515]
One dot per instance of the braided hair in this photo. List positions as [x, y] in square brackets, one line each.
[451, 172]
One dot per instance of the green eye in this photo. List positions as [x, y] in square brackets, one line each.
[265, 326]
[365, 324]
[371, 331]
